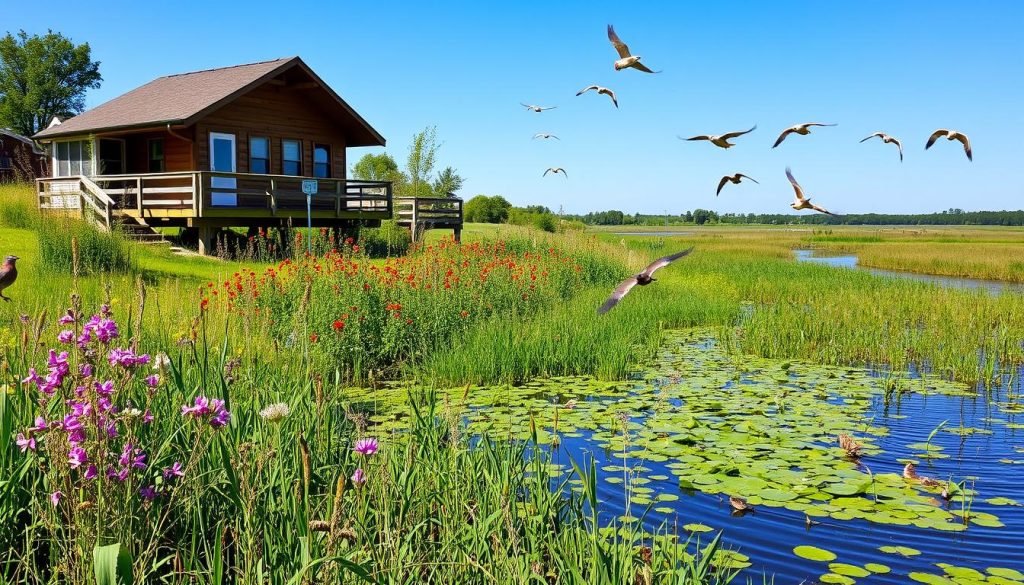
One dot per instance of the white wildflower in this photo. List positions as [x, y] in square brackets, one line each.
[161, 361]
[275, 412]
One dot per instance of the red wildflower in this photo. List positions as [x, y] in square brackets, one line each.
[464, 314]
[338, 325]
[313, 337]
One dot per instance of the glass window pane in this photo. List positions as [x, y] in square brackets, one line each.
[291, 150]
[258, 166]
[320, 171]
[321, 154]
[63, 164]
[290, 167]
[223, 154]
[258, 148]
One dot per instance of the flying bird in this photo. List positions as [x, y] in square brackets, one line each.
[537, 109]
[721, 140]
[545, 136]
[556, 170]
[951, 135]
[888, 140]
[600, 90]
[802, 129]
[8, 274]
[802, 202]
[643, 279]
[626, 59]
[735, 180]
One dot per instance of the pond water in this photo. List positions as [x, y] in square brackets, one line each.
[850, 261]
[699, 425]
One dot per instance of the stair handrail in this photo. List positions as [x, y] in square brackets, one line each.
[91, 189]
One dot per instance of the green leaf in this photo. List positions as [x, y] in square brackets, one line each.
[112, 565]
[813, 553]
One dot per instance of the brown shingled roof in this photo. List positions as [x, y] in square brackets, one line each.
[184, 98]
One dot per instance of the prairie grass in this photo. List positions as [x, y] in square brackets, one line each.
[280, 495]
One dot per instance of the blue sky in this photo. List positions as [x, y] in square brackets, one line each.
[905, 68]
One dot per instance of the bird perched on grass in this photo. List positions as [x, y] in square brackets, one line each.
[735, 180]
[888, 140]
[801, 202]
[556, 170]
[600, 90]
[951, 135]
[537, 109]
[720, 140]
[643, 279]
[8, 274]
[802, 129]
[626, 59]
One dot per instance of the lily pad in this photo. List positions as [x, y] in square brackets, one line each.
[905, 551]
[813, 553]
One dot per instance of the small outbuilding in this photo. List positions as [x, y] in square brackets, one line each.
[20, 158]
[226, 147]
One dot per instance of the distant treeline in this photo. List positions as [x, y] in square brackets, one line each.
[703, 216]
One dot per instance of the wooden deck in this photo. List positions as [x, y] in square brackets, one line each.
[423, 213]
[209, 200]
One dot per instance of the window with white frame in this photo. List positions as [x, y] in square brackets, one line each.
[73, 157]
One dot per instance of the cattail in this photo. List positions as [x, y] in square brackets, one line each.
[306, 468]
[339, 495]
[40, 323]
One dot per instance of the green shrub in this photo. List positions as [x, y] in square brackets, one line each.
[390, 239]
[98, 251]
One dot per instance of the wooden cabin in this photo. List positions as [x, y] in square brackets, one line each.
[20, 158]
[212, 149]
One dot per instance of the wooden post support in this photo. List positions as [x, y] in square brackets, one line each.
[138, 195]
[458, 234]
[273, 197]
[207, 241]
[337, 198]
[414, 226]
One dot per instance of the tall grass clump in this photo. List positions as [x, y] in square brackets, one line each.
[184, 467]
[98, 251]
[390, 239]
[18, 206]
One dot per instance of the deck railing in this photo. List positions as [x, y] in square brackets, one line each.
[212, 194]
[423, 213]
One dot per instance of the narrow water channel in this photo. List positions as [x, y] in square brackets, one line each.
[850, 261]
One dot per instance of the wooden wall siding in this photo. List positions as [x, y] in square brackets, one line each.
[177, 152]
[277, 113]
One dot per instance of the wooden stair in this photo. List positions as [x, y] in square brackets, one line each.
[138, 231]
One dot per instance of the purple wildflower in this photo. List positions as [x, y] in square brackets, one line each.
[25, 318]
[85, 370]
[90, 472]
[104, 329]
[55, 497]
[359, 478]
[25, 443]
[66, 336]
[104, 388]
[77, 457]
[32, 378]
[152, 381]
[67, 318]
[38, 426]
[147, 417]
[366, 447]
[200, 407]
[174, 471]
[148, 492]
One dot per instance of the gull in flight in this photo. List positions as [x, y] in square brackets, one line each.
[735, 180]
[601, 90]
[626, 59]
[888, 140]
[802, 202]
[537, 109]
[951, 135]
[802, 129]
[721, 140]
[545, 136]
[556, 170]
[643, 279]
